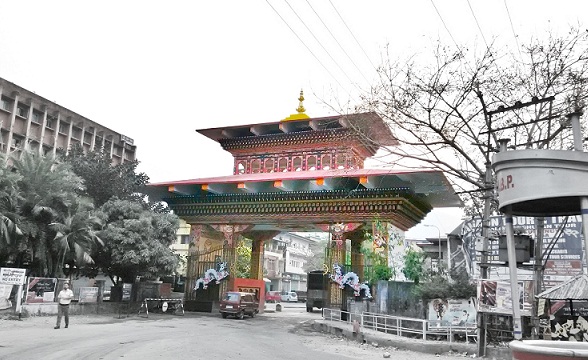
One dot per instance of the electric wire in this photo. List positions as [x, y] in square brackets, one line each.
[513, 30]
[351, 32]
[478, 24]
[337, 41]
[446, 28]
[319, 42]
[303, 43]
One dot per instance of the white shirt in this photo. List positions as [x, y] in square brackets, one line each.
[65, 296]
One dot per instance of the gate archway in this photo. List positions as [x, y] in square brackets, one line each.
[332, 192]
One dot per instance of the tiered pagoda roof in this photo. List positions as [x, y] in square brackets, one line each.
[301, 171]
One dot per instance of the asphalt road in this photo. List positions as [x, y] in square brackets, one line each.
[285, 335]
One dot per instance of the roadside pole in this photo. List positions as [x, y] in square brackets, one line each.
[481, 317]
[538, 273]
[19, 301]
[579, 146]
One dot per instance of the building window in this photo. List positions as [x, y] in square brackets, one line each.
[283, 165]
[22, 111]
[77, 133]
[37, 117]
[326, 162]
[50, 122]
[269, 166]
[64, 128]
[255, 166]
[311, 163]
[6, 104]
[341, 161]
[16, 143]
[297, 164]
[184, 239]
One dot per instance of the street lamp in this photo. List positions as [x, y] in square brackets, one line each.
[439, 239]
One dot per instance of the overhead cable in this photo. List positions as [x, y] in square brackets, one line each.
[338, 43]
[306, 46]
[351, 32]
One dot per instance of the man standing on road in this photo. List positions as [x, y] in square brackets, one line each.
[64, 298]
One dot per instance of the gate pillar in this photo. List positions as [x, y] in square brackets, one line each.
[195, 233]
[337, 256]
[258, 238]
[357, 261]
[231, 234]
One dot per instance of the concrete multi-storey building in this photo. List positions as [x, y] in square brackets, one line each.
[27, 119]
[284, 262]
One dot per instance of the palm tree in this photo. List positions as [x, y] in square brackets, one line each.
[76, 238]
[48, 189]
[9, 196]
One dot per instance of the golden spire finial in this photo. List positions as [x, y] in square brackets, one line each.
[300, 109]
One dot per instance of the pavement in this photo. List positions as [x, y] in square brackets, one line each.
[339, 329]
[405, 343]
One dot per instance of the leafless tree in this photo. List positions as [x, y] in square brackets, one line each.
[444, 112]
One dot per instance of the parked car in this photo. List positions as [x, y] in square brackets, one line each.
[289, 296]
[272, 306]
[238, 304]
[273, 295]
[301, 295]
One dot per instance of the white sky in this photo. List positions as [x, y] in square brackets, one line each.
[156, 71]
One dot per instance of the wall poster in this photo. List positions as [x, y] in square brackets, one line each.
[452, 312]
[495, 297]
[40, 290]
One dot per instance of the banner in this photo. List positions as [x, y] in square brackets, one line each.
[12, 276]
[5, 303]
[496, 297]
[41, 290]
[452, 312]
[88, 295]
[564, 255]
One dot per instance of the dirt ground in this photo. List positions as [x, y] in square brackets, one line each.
[301, 329]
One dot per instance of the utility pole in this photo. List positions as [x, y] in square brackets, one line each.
[484, 263]
[481, 320]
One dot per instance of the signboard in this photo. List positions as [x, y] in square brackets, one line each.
[126, 292]
[12, 276]
[563, 261]
[5, 290]
[495, 297]
[88, 295]
[452, 312]
[41, 290]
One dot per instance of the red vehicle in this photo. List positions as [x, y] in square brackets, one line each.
[238, 304]
[273, 295]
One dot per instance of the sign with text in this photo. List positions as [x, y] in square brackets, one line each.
[562, 241]
[88, 295]
[12, 276]
[40, 290]
[126, 291]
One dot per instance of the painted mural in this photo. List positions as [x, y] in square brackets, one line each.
[568, 323]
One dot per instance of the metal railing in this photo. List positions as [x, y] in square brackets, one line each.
[401, 326]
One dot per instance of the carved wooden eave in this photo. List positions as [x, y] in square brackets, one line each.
[300, 209]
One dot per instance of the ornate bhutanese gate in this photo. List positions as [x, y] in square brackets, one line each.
[299, 174]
